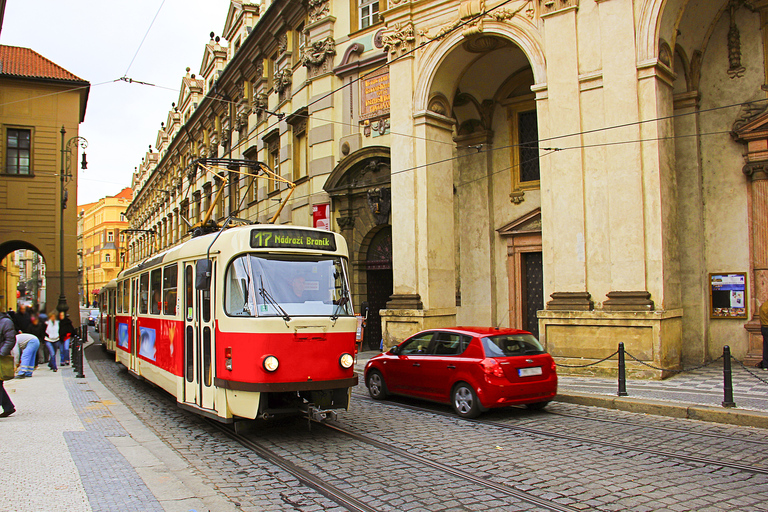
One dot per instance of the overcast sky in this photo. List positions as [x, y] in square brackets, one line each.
[96, 40]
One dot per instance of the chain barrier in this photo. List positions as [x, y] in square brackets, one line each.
[587, 365]
[749, 371]
[682, 370]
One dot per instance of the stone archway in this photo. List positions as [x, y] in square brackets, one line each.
[360, 193]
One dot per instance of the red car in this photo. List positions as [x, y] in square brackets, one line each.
[472, 368]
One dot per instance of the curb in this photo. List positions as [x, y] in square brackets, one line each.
[732, 416]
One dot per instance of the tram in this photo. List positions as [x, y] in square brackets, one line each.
[107, 319]
[249, 322]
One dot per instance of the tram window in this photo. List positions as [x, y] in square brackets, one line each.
[144, 293]
[126, 296]
[207, 368]
[119, 297]
[189, 293]
[170, 284]
[156, 284]
[189, 354]
[206, 306]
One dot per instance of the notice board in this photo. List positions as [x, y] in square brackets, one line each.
[728, 295]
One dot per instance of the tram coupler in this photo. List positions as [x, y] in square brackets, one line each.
[320, 415]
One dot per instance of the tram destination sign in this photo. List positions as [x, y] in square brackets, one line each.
[292, 239]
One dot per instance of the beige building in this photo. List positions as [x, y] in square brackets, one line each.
[101, 227]
[576, 168]
[41, 107]
[9, 282]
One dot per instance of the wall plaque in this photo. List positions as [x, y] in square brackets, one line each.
[374, 95]
[728, 295]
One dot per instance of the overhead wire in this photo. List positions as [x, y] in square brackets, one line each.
[144, 38]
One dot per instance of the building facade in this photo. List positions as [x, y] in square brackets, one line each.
[41, 107]
[9, 277]
[575, 168]
[101, 227]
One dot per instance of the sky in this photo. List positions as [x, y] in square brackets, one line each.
[97, 40]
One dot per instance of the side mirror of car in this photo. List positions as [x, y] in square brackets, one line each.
[395, 350]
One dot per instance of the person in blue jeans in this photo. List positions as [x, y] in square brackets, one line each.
[52, 339]
[27, 345]
[66, 331]
[7, 342]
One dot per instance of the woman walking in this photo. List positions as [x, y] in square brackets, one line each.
[7, 341]
[66, 332]
[52, 339]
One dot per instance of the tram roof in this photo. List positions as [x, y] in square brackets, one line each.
[236, 240]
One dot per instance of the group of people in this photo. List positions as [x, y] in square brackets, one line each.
[21, 334]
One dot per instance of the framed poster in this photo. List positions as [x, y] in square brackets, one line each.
[728, 295]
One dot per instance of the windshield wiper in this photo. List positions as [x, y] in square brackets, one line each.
[268, 298]
[342, 302]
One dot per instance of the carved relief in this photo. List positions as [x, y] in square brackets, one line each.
[473, 12]
[380, 203]
[346, 222]
[380, 126]
[553, 6]
[282, 80]
[282, 43]
[749, 112]
[665, 54]
[399, 39]
[318, 56]
[260, 103]
[317, 9]
[259, 68]
[439, 104]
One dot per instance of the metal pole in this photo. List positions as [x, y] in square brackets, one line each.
[62, 306]
[622, 372]
[80, 343]
[727, 381]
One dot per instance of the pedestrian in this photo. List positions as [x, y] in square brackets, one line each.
[23, 318]
[37, 329]
[7, 342]
[764, 331]
[52, 339]
[42, 323]
[66, 332]
[27, 345]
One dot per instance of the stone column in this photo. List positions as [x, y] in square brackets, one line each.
[757, 172]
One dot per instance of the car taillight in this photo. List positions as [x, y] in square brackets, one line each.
[492, 367]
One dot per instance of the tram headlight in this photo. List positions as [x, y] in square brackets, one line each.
[346, 361]
[271, 363]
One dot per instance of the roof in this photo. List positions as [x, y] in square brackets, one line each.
[23, 62]
[126, 193]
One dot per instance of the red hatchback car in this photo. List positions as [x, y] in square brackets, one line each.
[472, 368]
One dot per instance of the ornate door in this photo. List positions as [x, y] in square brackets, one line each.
[380, 287]
[533, 290]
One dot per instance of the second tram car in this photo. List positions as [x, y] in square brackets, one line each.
[250, 322]
[107, 320]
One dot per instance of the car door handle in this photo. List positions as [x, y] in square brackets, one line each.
[416, 364]
[451, 367]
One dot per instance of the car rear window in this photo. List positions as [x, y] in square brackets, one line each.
[504, 345]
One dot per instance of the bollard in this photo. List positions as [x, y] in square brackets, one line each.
[622, 372]
[80, 351]
[73, 345]
[727, 380]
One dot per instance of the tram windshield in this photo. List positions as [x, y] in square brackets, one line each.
[286, 286]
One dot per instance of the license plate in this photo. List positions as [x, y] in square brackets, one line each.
[528, 372]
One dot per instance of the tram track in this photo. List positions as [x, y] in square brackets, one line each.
[346, 500]
[580, 439]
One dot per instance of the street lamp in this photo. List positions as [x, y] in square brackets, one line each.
[66, 174]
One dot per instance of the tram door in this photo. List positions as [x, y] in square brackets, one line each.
[198, 342]
[134, 324]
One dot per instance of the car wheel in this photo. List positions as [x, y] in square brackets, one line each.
[376, 385]
[464, 401]
[537, 406]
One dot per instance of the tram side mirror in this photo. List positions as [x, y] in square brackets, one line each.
[203, 274]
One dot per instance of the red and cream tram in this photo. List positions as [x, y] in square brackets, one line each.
[107, 321]
[249, 322]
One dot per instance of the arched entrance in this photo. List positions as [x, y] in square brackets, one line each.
[378, 265]
[22, 276]
[360, 193]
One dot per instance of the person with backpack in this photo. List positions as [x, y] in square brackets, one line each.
[7, 342]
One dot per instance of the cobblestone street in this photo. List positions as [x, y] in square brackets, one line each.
[574, 457]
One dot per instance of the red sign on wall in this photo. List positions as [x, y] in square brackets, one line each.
[321, 216]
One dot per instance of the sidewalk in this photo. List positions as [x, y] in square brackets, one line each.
[73, 447]
[695, 395]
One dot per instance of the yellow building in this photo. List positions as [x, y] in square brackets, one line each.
[41, 107]
[9, 282]
[103, 242]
